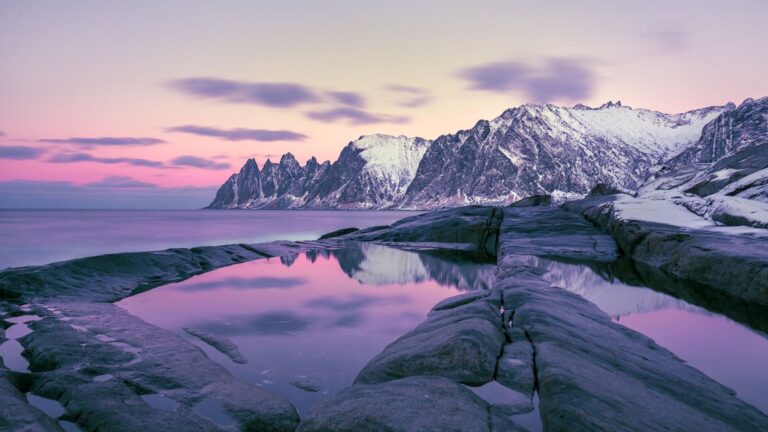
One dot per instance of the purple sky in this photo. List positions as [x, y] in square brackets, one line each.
[173, 96]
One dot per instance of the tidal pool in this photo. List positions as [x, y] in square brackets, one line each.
[307, 324]
[731, 353]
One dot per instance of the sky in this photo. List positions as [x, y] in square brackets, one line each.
[153, 104]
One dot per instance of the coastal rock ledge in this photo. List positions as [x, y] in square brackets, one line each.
[562, 358]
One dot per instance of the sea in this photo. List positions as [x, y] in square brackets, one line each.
[34, 237]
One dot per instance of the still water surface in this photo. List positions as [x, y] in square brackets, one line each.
[729, 352]
[33, 237]
[307, 325]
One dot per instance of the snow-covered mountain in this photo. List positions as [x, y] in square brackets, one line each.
[371, 172]
[730, 158]
[528, 150]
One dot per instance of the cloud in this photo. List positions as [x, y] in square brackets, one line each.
[354, 116]
[279, 95]
[555, 79]
[105, 194]
[106, 141]
[414, 96]
[120, 182]
[244, 283]
[240, 134]
[274, 323]
[352, 302]
[20, 152]
[2, 133]
[85, 157]
[351, 99]
[668, 40]
[198, 162]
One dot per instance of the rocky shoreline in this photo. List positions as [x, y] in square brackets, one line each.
[536, 340]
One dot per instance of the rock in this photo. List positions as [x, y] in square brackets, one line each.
[461, 343]
[477, 226]
[462, 299]
[734, 265]
[515, 367]
[602, 189]
[338, 233]
[417, 404]
[16, 414]
[306, 384]
[111, 277]
[553, 232]
[500, 422]
[220, 343]
[143, 359]
[533, 201]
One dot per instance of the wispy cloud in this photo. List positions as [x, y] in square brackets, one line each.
[354, 116]
[20, 152]
[240, 134]
[120, 182]
[2, 133]
[106, 141]
[668, 40]
[85, 157]
[279, 95]
[351, 99]
[198, 162]
[412, 97]
[554, 79]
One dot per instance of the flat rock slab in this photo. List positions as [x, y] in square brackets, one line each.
[515, 367]
[594, 374]
[115, 276]
[551, 231]
[735, 265]
[15, 413]
[475, 225]
[219, 343]
[461, 343]
[97, 360]
[413, 404]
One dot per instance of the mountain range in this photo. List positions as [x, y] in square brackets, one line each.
[528, 150]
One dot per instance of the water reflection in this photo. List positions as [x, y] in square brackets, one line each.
[307, 324]
[607, 290]
[729, 352]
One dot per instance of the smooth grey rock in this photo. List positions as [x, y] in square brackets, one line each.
[477, 226]
[220, 343]
[532, 201]
[461, 300]
[16, 414]
[115, 276]
[552, 231]
[586, 363]
[734, 265]
[413, 404]
[462, 343]
[143, 359]
[306, 384]
[338, 233]
[500, 421]
[515, 367]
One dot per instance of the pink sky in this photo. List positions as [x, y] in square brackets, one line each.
[334, 71]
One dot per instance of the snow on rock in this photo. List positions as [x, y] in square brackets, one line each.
[528, 150]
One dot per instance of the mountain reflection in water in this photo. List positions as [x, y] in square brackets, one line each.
[720, 336]
[316, 318]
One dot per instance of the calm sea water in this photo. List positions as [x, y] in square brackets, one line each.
[32, 237]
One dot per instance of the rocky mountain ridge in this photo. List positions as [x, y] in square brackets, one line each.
[527, 150]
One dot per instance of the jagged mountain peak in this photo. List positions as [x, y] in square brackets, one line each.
[527, 150]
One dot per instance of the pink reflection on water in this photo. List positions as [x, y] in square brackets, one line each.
[307, 320]
[724, 350]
